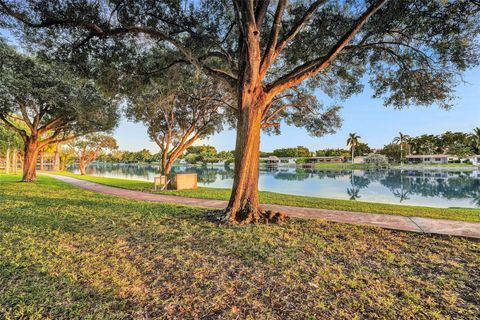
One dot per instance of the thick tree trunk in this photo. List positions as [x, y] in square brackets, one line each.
[56, 165]
[14, 161]
[83, 167]
[168, 166]
[41, 161]
[165, 162]
[243, 207]
[7, 161]
[30, 161]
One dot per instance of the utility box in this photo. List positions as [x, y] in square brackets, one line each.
[182, 181]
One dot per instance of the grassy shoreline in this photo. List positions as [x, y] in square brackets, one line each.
[69, 253]
[462, 214]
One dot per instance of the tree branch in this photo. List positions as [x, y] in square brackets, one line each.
[261, 12]
[285, 106]
[26, 119]
[270, 53]
[51, 125]
[97, 31]
[310, 68]
[299, 25]
[10, 125]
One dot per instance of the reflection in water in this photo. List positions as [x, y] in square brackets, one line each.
[420, 187]
[358, 182]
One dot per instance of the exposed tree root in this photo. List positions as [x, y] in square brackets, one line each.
[244, 218]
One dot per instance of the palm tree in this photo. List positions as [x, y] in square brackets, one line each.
[353, 141]
[401, 140]
[475, 138]
[353, 193]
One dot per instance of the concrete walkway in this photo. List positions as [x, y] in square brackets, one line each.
[413, 224]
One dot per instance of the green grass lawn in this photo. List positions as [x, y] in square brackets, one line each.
[68, 253]
[462, 214]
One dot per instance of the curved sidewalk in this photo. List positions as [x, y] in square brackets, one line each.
[413, 224]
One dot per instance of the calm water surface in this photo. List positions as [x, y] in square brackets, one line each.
[434, 188]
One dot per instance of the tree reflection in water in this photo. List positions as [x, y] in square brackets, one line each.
[447, 185]
[358, 182]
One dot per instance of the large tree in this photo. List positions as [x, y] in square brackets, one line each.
[272, 53]
[176, 115]
[88, 147]
[45, 105]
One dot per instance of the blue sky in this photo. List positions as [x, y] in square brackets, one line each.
[376, 124]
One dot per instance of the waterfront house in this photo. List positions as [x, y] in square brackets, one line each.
[475, 160]
[359, 160]
[428, 159]
[334, 159]
[276, 161]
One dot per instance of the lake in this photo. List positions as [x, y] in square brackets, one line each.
[435, 188]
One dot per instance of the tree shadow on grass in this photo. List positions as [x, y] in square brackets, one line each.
[172, 261]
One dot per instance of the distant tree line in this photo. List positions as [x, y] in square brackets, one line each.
[304, 152]
[207, 154]
[458, 144]
[203, 154]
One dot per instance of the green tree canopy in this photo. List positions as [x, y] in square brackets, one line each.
[178, 111]
[475, 140]
[296, 152]
[45, 104]
[201, 154]
[9, 139]
[391, 151]
[88, 147]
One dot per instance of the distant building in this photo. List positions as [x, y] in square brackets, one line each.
[276, 161]
[428, 159]
[334, 159]
[475, 160]
[359, 160]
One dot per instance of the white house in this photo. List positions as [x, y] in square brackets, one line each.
[475, 160]
[276, 161]
[333, 159]
[359, 160]
[428, 159]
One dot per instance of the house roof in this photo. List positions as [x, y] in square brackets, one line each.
[420, 156]
[331, 157]
[273, 158]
